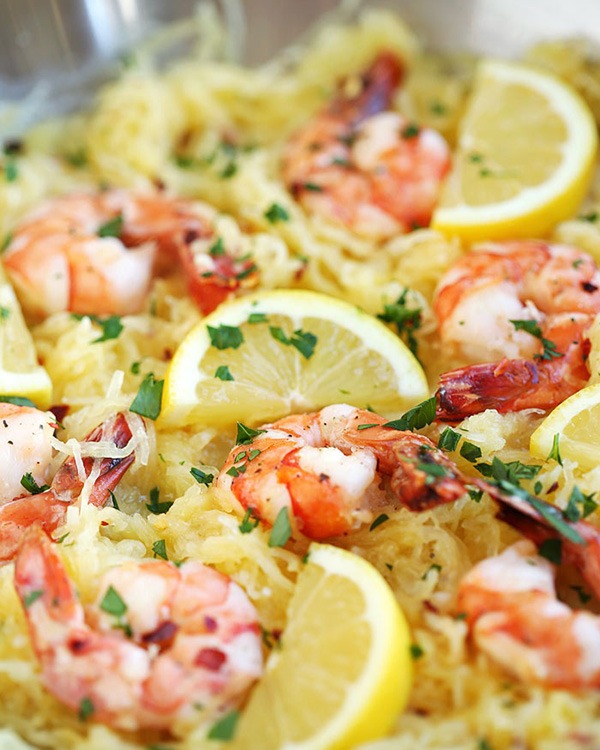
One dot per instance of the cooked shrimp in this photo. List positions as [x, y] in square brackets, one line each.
[515, 618]
[48, 508]
[327, 468]
[361, 165]
[521, 310]
[161, 647]
[97, 253]
[25, 448]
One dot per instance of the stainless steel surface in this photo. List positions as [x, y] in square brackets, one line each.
[68, 45]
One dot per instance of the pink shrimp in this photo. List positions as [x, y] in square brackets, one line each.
[162, 646]
[97, 253]
[366, 167]
[489, 305]
[327, 470]
[516, 619]
[48, 508]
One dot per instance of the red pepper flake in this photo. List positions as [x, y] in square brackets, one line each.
[210, 658]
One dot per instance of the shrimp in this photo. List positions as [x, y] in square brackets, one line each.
[327, 468]
[366, 167]
[515, 618]
[25, 448]
[97, 253]
[520, 310]
[48, 508]
[161, 647]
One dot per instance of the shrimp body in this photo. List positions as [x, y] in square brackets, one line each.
[97, 253]
[552, 290]
[329, 468]
[48, 509]
[360, 165]
[185, 641]
[25, 448]
[515, 618]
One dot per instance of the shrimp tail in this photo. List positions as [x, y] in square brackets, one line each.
[377, 86]
[508, 385]
[48, 509]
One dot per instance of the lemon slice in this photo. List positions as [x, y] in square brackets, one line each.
[343, 672]
[526, 153]
[287, 351]
[575, 421]
[20, 373]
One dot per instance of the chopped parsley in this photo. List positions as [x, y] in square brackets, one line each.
[217, 248]
[111, 326]
[223, 373]
[11, 171]
[449, 439]
[111, 228]
[470, 451]
[201, 477]
[281, 531]
[381, 518]
[224, 728]
[412, 130]
[551, 549]
[531, 327]
[77, 159]
[365, 426]
[86, 709]
[406, 319]
[276, 213]
[249, 522]
[303, 341]
[420, 415]
[148, 398]
[257, 317]
[29, 483]
[416, 651]
[135, 368]
[583, 595]
[438, 108]
[6, 241]
[32, 597]
[580, 505]
[112, 603]
[156, 507]
[312, 187]
[160, 549]
[591, 217]
[225, 337]
[4, 313]
[229, 170]
[246, 435]
[18, 400]
[433, 568]
[433, 472]
[555, 450]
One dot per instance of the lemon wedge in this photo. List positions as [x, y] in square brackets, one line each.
[20, 373]
[343, 671]
[270, 354]
[575, 421]
[525, 157]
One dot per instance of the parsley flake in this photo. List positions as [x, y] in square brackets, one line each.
[249, 522]
[257, 317]
[303, 341]
[282, 530]
[407, 320]
[246, 435]
[580, 505]
[224, 728]
[11, 171]
[29, 483]
[531, 327]
[6, 242]
[551, 549]
[18, 400]
[366, 426]
[225, 337]
[470, 451]
[412, 130]
[555, 450]
[201, 477]
[112, 603]
[449, 439]
[223, 373]
[381, 518]
[160, 549]
[86, 709]
[416, 651]
[148, 399]
[276, 213]
[583, 595]
[420, 415]
[111, 228]
[156, 507]
[32, 597]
